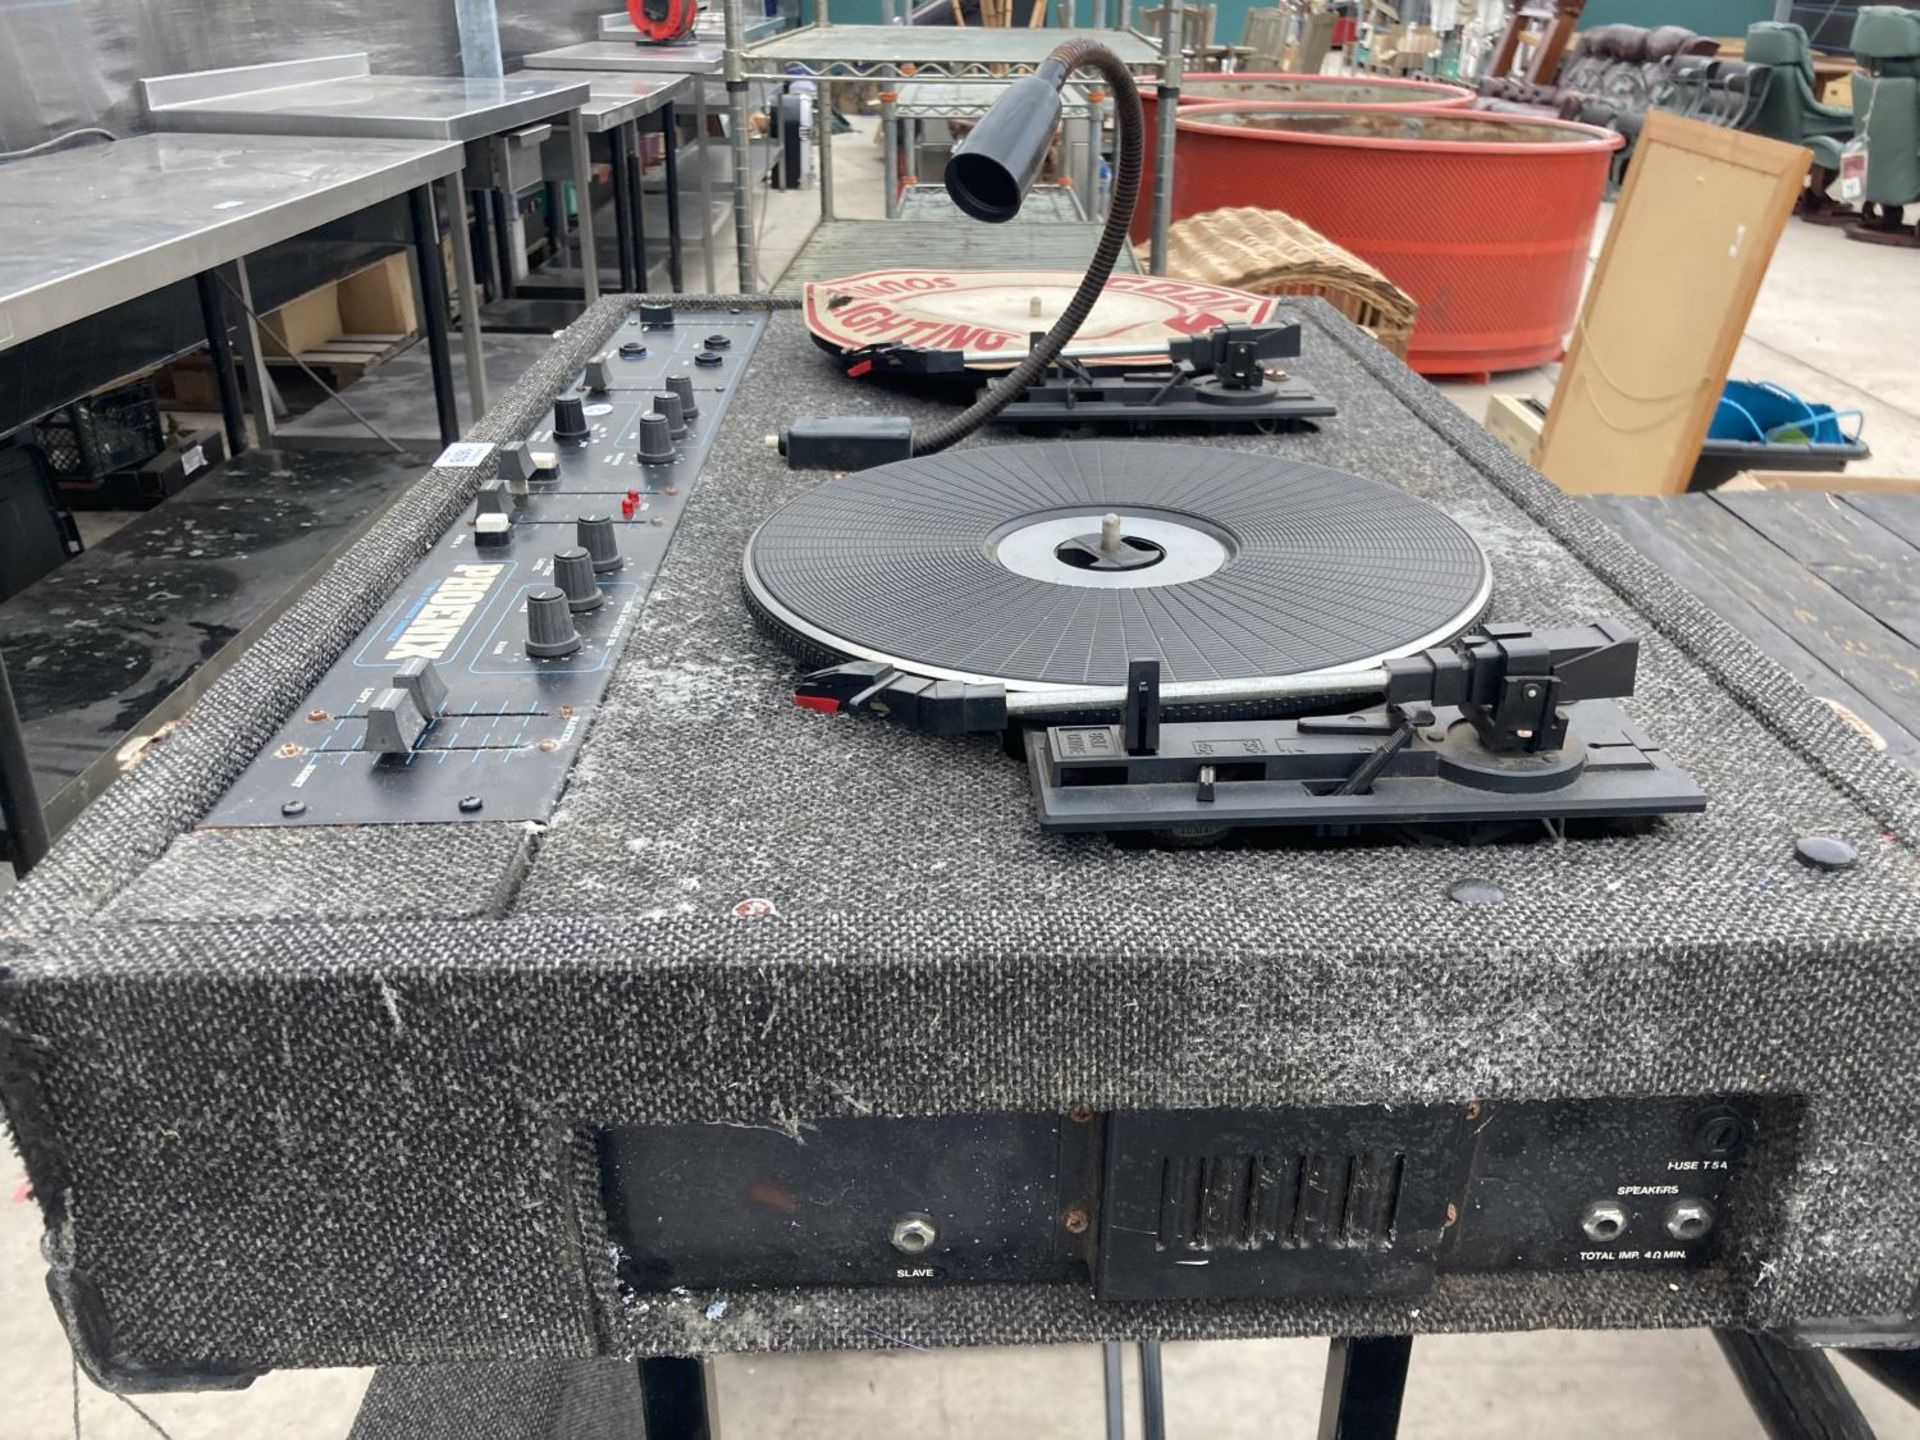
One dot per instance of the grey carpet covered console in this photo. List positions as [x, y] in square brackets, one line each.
[326, 1096]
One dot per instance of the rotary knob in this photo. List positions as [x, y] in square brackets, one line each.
[682, 385]
[660, 316]
[595, 535]
[550, 631]
[668, 404]
[570, 418]
[599, 375]
[573, 573]
[656, 439]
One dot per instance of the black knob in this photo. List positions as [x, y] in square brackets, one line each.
[707, 358]
[633, 350]
[570, 418]
[718, 342]
[659, 315]
[573, 573]
[492, 499]
[656, 439]
[595, 534]
[682, 385]
[668, 404]
[550, 631]
[492, 513]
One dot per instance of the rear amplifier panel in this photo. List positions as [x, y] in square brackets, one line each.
[1216, 1204]
[461, 702]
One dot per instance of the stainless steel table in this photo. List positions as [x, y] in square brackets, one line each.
[709, 26]
[947, 50]
[617, 102]
[335, 95]
[691, 57]
[699, 58]
[84, 230]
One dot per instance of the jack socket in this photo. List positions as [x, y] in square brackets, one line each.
[1604, 1220]
[913, 1233]
[1689, 1219]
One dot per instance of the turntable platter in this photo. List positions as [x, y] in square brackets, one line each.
[1056, 564]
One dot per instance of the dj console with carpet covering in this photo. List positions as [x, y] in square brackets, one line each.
[648, 899]
[431, 997]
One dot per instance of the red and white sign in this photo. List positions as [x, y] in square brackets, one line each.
[991, 312]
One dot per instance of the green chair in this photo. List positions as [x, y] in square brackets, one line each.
[1790, 110]
[1886, 114]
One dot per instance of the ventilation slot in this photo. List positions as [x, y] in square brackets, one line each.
[1280, 1202]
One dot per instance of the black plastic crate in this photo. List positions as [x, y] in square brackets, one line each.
[93, 438]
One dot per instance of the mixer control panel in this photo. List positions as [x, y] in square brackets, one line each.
[468, 696]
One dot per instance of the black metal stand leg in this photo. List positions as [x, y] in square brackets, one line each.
[670, 159]
[1795, 1394]
[1366, 1380]
[622, 217]
[220, 351]
[635, 176]
[482, 243]
[503, 237]
[559, 233]
[1898, 1370]
[1153, 1393]
[19, 800]
[433, 309]
[673, 1395]
[1116, 1391]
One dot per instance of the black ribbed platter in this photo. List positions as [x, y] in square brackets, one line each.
[963, 565]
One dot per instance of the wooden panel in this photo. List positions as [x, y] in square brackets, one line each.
[1870, 565]
[1898, 513]
[1689, 245]
[1827, 643]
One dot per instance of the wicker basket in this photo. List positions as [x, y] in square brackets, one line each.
[1269, 253]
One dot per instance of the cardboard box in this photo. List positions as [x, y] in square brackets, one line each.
[1516, 422]
[375, 301]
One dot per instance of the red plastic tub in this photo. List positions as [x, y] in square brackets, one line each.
[1319, 91]
[1484, 219]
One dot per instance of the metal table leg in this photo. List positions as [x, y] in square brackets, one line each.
[703, 121]
[503, 242]
[890, 154]
[559, 232]
[1116, 1391]
[472, 344]
[670, 161]
[634, 194]
[1169, 102]
[1366, 1381]
[738, 127]
[260, 392]
[482, 243]
[583, 201]
[673, 1399]
[1795, 1394]
[618, 140]
[823, 140]
[214, 316]
[1153, 1393]
[433, 308]
[19, 801]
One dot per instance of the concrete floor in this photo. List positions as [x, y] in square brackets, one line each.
[1826, 325]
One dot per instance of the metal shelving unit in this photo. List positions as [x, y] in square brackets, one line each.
[956, 55]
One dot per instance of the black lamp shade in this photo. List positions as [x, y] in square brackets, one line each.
[993, 168]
